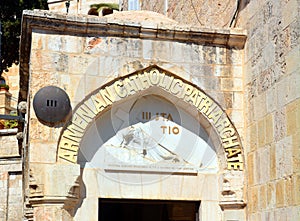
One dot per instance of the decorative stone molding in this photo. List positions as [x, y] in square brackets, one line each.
[232, 205]
[60, 190]
[36, 190]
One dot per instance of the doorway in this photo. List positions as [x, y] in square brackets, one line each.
[147, 210]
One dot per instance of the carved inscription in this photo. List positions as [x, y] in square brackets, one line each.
[122, 88]
[163, 117]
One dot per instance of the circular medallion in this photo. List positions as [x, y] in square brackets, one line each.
[51, 104]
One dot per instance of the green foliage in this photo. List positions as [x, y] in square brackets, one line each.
[10, 17]
[113, 6]
[5, 86]
[9, 124]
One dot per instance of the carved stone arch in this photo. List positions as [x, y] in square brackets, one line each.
[156, 79]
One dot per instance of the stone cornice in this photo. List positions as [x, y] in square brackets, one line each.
[84, 24]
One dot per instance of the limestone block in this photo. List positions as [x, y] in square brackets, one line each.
[151, 186]
[271, 99]
[231, 84]
[42, 79]
[202, 70]
[206, 83]
[268, 53]
[108, 185]
[261, 132]
[263, 197]
[108, 66]
[54, 42]
[283, 91]
[162, 50]
[296, 189]
[76, 89]
[293, 86]
[57, 179]
[210, 185]
[129, 186]
[271, 195]
[252, 89]
[295, 213]
[192, 187]
[269, 128]
[253, 195]
[45, 61]
[250, 169]
[191, 53]
[79, 63]
[289, 191]
[43, 152]
[257, 161]
[94, 66]
[133, 48]
[294, 33]
[265, 81]
[94, 82]
[9, 145]
[209, 210]
[238, 100]
[235, 56]
[148, 49]
[39, 132]
[97, 45]
[169, 187]
[289, 12]
[273, 162]
[89, 204]
[292, 118]
[280, 193]
[237, 215]
[284, 157]
[253, 136]
[49, 213]
[264, 165]
[72, 44]
[296, 152]
[280, 124]
[38, 41]
[292, 59]
[260, 108]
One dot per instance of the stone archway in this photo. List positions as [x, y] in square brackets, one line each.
[154, 81]
[122, 88]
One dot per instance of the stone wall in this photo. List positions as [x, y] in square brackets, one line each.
[95, 50]
[272, 108]
[12, 80]
[11, 196]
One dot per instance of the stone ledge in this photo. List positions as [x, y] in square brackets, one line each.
[232, 205]
[51, 200]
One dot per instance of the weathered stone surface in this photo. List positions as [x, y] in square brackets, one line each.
[257, 86]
